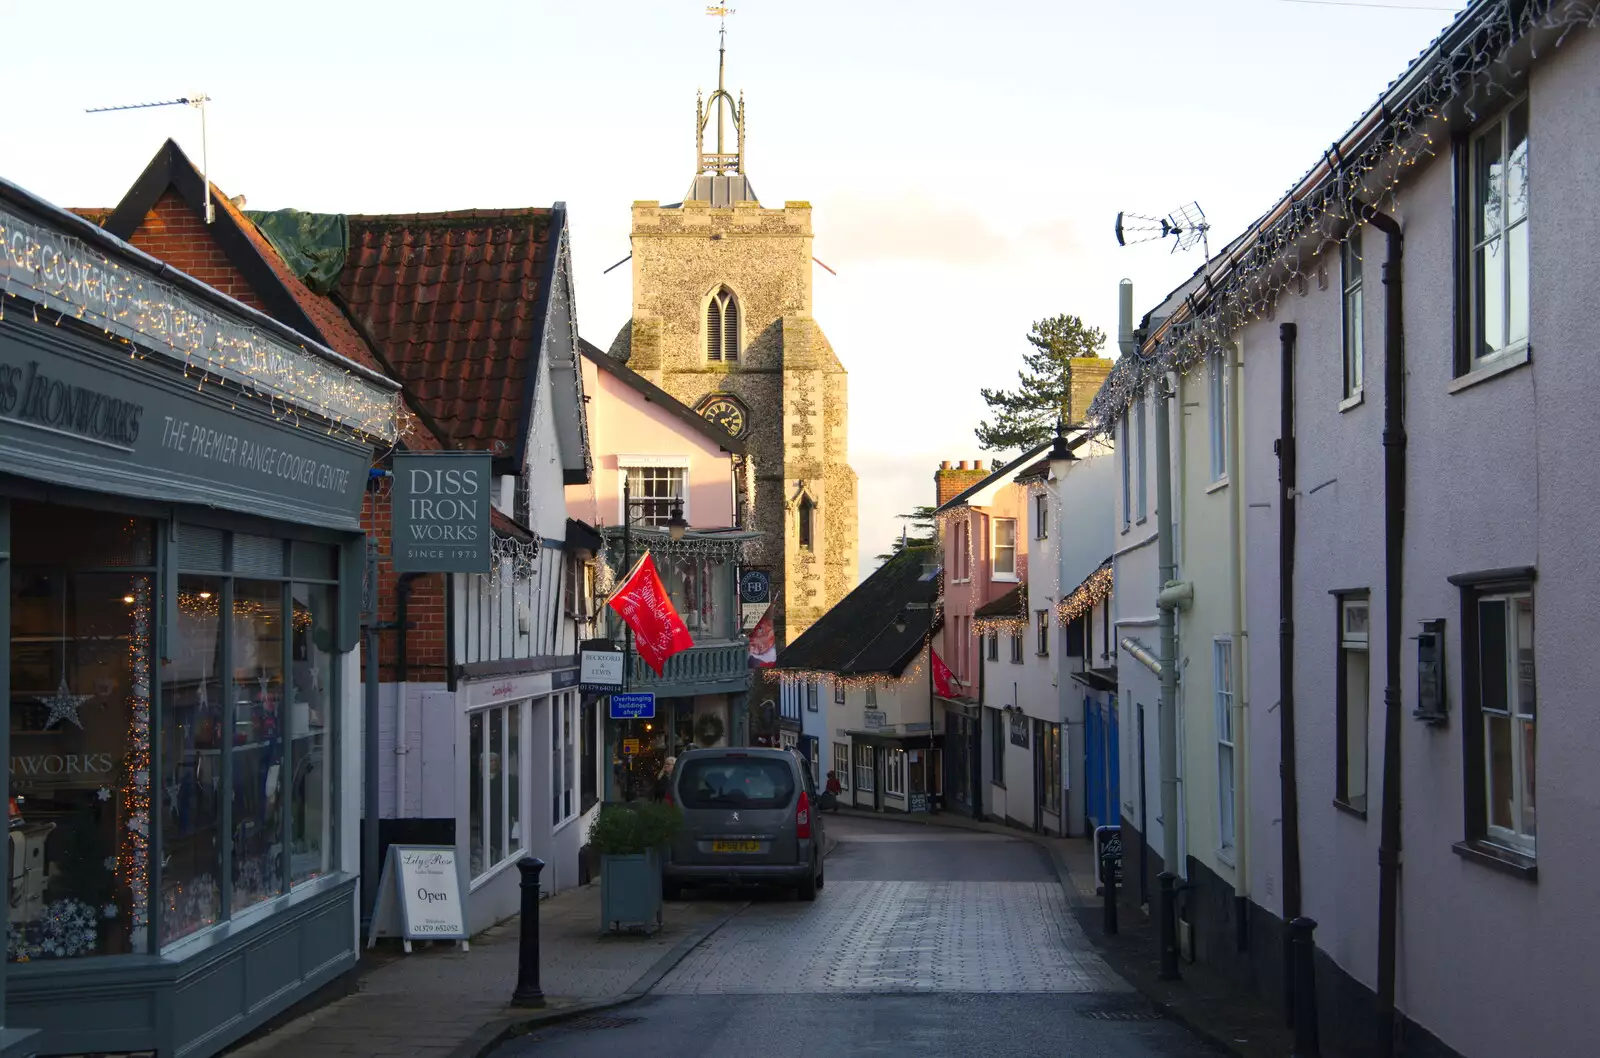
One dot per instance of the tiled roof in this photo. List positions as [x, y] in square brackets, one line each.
[1008, 605]
[454, 302]
[857, 636]
[966, 494]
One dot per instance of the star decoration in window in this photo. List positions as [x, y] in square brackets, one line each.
[64, 705]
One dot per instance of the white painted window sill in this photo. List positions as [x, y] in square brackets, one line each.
[1009, 578]
[1492, 367]
[1352, 401]
[1225, 854]
[496, 871]
[1217, 485]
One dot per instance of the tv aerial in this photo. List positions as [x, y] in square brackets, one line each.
[198, 101]
[1185, 225]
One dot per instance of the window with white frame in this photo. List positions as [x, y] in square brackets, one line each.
[1222, 679]
[1218, 363]
[1005, 547]
[1501, 703]
[1354, 313]
[1125, 451]
[894, 773]
[657, 484]
[1016, 648]
[1139, 454]
[1352, 702]
[1043, 629]
[722, 327]
[494, 819]
[563, 758]
[872, 696]
[1497, 283]
[838, 692]
[1041, 516]
[813, 695]
[841, 764]
[864, 769]
[993, 641]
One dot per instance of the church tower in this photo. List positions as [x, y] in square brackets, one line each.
[722, 321]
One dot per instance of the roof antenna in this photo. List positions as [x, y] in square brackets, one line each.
[1187, 225]
[198, 101]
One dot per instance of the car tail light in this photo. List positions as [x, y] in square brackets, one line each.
[802, 817]
[667, 797]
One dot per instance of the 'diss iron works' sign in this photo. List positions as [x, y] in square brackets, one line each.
[440, 512]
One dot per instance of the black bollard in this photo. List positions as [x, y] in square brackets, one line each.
[528, 993]
[1306, 1044]
[1168, 923]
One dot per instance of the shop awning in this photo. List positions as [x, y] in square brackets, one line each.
[1098, 679]
[896, 740]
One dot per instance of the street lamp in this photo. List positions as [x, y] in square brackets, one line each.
[900, 622]
[675, 524]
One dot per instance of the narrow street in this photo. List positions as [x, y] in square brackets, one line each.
[923, 941]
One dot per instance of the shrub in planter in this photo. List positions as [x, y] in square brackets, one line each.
[629, 839]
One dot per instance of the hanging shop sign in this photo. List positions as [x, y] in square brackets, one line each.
[640, 706]
[440, 512]
[115, 424]
[1019, 729]
[419, 896]
[600, 669]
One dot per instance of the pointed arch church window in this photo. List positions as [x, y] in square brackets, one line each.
[722, 327]
[808, 517]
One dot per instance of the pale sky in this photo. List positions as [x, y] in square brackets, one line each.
[965, 162]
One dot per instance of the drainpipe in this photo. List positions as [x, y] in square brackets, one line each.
[402, 679]
[1137, 651]
[1169, 633]
[1241, 751]
[1289, 792]
[1394, 529]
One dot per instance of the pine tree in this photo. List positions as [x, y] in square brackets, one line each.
[1026, 416]
[919, 533]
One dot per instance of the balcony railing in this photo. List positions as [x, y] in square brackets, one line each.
[709, 668]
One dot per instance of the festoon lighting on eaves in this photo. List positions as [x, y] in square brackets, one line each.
[1247, 280]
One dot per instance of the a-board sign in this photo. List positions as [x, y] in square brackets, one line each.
[1108, 856]
[640, 706]
[420, 896]
[919, 802]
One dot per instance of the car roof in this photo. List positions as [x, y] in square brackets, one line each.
[737, 751]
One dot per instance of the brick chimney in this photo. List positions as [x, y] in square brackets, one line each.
[950, 482]
[1088, 375]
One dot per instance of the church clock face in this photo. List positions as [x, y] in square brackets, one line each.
[726, 413]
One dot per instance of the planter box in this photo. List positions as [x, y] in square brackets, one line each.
[630, 892]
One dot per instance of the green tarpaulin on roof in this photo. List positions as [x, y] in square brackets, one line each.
[313, 245]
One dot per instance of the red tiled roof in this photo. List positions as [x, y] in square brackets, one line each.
[453, 302]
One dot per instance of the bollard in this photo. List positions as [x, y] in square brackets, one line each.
[1306, 1044]
[528, 993]
[1168, 922]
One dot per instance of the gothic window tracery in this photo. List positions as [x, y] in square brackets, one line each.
[722, 327]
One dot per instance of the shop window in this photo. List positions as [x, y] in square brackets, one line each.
[894, 773]
[1050, 769]
[864, 769]
[190, 790]
[563, 770]
[255, 732]
[311, 806]
[82, 641]
[589, 766]
[841, 764]
[494, 753]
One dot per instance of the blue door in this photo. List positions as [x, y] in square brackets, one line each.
[1102, 795]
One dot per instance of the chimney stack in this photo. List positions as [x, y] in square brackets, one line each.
[950, 482]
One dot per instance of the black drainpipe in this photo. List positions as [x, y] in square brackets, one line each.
[402, 607]
[1286, 760]
[1394, 532]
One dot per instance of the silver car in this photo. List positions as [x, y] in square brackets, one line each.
[749, 818]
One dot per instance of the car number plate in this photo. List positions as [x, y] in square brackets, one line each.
[736, 846]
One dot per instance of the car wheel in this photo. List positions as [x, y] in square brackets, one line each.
[807, 890]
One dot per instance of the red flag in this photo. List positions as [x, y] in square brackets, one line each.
[643, 603]
[763, 641]
[942, 676]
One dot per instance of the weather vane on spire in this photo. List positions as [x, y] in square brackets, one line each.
[720, 162]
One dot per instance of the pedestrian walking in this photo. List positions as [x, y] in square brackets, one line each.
[830, 793]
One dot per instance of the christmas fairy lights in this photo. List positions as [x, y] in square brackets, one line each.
[133, 852]
[71, 277]
[1284, 251]
[1095, 589]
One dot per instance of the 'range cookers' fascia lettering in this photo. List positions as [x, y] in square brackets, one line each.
[29, 395]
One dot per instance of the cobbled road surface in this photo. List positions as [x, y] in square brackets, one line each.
[922, 942]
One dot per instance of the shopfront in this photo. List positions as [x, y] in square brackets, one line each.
[180, 576]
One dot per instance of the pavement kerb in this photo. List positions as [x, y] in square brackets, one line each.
[500, 1030]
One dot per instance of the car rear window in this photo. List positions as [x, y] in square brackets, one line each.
[736, 782]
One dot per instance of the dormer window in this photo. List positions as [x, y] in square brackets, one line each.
[722, 327]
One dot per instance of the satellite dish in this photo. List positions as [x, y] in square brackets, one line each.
[1185, 225]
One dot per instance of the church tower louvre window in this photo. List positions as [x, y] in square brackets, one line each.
[722, 327]
[808, 518]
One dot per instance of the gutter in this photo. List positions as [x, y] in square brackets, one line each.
[1394, 529]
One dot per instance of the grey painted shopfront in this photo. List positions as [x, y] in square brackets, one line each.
[181, 482]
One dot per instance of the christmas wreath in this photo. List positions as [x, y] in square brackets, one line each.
[708, 729]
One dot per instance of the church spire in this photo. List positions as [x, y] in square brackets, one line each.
[721, 162]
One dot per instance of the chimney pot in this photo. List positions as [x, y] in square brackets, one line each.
[963, 465]
[944, 464]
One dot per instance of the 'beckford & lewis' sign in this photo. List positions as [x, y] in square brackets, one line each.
[440, 512]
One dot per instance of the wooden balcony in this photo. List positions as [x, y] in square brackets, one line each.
[707, 668]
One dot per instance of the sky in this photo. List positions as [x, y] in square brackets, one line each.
[965, 162]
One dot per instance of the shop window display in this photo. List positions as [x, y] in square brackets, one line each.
[257, 741]
[311, 791]
[83, 596]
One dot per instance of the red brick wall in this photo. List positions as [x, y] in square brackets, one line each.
[426, 649]
[177, 235]
[951, 482]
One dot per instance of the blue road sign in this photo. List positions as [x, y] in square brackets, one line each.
[640, 706]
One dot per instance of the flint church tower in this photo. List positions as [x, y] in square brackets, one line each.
[722, 321]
